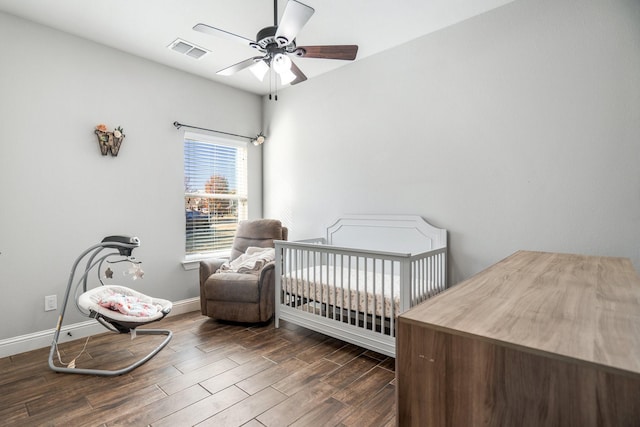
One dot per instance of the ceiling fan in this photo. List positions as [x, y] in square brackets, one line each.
[277, 42]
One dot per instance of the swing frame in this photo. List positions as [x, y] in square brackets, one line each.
[113, 321]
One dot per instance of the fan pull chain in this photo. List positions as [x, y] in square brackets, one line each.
[273, 82]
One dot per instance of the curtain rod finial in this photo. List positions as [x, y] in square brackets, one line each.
[177, 125]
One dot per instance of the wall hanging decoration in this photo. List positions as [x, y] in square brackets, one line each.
[110, 142]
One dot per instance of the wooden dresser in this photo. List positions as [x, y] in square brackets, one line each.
[538, 339]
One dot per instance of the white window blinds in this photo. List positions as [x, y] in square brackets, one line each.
[215, 192]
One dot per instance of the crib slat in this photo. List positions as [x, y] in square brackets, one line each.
[373, 300]
[299, 280]
[325, 264]
[392, 308]
[335, 275]
[382, 296]
[306, 281]
[347, 298]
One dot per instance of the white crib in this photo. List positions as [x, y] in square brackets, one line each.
[353, 284]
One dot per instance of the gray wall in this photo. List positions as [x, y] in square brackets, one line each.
[517, 129]
[59, 195]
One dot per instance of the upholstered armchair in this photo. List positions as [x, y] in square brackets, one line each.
[242, 297]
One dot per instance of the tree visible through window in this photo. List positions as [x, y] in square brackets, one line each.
[215, 189]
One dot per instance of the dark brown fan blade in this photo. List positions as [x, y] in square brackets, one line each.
[295, 17]
[208, 29]
[346, 52]
[239, 66]
[300, 77]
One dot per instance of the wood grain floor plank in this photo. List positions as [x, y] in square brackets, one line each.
[197, 376]
[366, 386]
[21, 361]
[321, 350]
[22, 390]
[294, 347]
[350, 372]
[168, 357]
[132, 396]
[64, 416]
[245, 355]
[300, 379]
[249, 408]
[267, 377]
[296, 406]
[67, 392]
[204, 409]
[376, 411]
[216, 340]
[261, 339]
[345, 354]
[327, 413]
[16, 413]
[161, 408]
[236, 374]
[205, 358]
[100, 417]
[388, 363]
[155, 374]
[62, 403]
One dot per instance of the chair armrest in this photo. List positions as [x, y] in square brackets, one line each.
[266, 288]
[268, 268]
[208, 267]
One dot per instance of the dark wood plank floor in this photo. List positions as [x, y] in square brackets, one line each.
[210, 374]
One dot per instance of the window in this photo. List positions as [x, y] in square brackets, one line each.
[215, 192]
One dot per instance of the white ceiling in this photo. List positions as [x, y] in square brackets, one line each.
[146, 27]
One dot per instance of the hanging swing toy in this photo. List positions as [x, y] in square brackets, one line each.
[117, 308]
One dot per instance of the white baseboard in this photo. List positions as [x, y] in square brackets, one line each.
[33, 341]
[185, 306]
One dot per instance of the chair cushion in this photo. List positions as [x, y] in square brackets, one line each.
[260, 233]
[232, 286]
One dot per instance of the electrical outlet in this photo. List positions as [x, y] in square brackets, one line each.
[50, 302]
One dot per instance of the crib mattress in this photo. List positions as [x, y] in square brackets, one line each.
[344, 288]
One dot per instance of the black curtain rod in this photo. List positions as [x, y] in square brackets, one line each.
[178, 125]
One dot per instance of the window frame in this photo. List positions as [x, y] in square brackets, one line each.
[191, 259]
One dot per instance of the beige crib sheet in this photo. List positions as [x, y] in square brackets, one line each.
[357, 290]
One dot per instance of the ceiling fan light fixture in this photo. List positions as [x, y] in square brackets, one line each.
[259, 69]
[281, 63]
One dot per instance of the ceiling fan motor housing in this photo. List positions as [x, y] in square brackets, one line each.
[266, 36]
[266, 41]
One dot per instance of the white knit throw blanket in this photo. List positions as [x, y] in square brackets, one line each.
[250, 262]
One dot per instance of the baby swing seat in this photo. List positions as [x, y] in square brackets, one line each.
[91, 300]
[118, 308]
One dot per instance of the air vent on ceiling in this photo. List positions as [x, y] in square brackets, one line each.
[187, 48]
